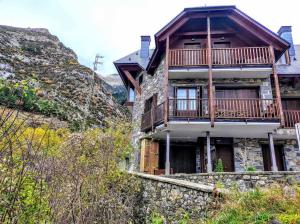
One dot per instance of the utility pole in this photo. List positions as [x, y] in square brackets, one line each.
[92, 85]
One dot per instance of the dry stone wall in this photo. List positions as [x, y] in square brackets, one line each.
[243, 180]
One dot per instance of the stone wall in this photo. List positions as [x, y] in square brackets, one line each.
[173, 198]
[242, 180]
[292, 155]
[152, 84]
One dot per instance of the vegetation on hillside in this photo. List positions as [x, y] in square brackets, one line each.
[55, 176]
[23, 95]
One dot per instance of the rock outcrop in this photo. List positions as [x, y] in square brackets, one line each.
[27, 53]
[116, 87]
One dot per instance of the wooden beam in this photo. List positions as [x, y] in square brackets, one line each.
[166, 82]
[133, 81]
[173, 29]
[200, 33]
[277, 87]
[253, 31]
[210, 82]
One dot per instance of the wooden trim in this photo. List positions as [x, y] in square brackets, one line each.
[133, 81]
[173, 29]
[277, 88]
[166, 81]
[210, 82]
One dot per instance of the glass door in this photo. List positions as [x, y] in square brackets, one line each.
[186, 102]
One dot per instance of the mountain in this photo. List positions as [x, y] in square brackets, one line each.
[116, 86]
[35, 54]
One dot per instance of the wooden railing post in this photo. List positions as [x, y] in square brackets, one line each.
[166, 81]
[210, 82]
[277, 88]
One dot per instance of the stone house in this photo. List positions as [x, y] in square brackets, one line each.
[218, 87]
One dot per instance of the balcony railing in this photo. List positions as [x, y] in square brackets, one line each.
[220, 57]
[224, 109]
[291, 117]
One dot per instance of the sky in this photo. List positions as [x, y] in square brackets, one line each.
[112, 28]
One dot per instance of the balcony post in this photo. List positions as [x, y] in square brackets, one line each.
[167, 165]
[166, 81]
[208, 153]
[272, 152]
[210, 82]
[277, 88]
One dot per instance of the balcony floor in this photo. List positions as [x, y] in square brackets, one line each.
[191, 130]
[228, 72]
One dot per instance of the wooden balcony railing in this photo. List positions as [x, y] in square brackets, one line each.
[241, 56]
[291, 117]
[246, 109]
[225, 109]
[188, 57]
[220, 57]
[152, 117]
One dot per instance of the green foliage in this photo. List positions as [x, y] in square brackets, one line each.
[23, 95]
[258, 206]
[55, 176]
[219, 166]
[251, 169]
[157, 218]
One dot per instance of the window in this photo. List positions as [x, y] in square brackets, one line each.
[131, 95]
[151, 102]
[186, 98]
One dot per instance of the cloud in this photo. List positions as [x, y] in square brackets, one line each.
[112, 28]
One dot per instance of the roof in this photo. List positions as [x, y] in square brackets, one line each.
[134, 58]
[294, 68]
[234, 13]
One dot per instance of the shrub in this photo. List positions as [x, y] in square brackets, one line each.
[219, 166]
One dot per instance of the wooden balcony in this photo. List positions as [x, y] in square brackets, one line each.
[223, 57]
[291, 117]
[258, 110]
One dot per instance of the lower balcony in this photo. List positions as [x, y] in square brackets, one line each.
[291, 117]
[231, 110]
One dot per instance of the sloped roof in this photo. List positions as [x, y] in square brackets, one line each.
[134, 58]
[294, 68]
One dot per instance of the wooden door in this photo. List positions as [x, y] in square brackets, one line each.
[237, 102]
[225, 153]
[183, 159]
[149, 156]
[290, 103]
[225, 56]
[279, 156]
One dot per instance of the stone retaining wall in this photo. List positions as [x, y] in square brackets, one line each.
[242, 181]
[173, 198]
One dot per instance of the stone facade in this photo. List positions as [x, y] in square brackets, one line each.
[173, 198]
[242, 180]
[247, 153]
[152, 84]
[292, 155]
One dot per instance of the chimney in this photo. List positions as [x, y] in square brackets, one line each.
[145, 44]
[285, 32]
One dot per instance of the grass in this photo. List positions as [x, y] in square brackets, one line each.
[259, 206]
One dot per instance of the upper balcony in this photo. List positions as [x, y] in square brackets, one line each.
[222, 57]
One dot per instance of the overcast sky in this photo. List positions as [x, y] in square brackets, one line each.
[112, 28]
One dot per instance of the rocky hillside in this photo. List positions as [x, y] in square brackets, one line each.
[115, 85]
[35, 54]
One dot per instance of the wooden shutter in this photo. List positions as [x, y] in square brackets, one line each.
[149, 156]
